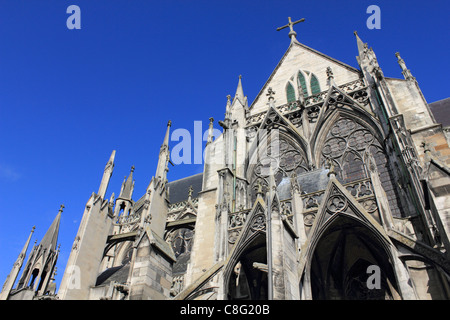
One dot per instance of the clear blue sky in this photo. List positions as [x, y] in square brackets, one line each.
[70, 97]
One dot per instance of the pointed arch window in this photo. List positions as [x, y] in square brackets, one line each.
[315, 87]
[302, 83]
[289, 158]
[347, 143]
[290, 93]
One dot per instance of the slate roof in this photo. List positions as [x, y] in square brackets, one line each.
[309, 182]
[50, 238]
[118, 274]
[441, 111]
[179, 189]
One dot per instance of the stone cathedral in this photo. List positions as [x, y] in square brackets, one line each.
[332, 184]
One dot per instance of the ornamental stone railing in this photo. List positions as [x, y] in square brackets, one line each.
[356, 89]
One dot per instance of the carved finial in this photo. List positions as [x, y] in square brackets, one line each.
[132, 168]
[259, 190]
[294, 183]
[270, 94]
[405, 71]
[190, 191]
[61, 208]
[330, 73]
[331, 168]
[210, 131]
[330, 77]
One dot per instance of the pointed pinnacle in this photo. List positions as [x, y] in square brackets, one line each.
[240, 91]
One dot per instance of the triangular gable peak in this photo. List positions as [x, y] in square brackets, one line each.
[338, 202]
[299, 57]
[255, 222]
[337, 99]
[274, 118]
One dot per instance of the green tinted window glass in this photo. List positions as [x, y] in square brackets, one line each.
[315, 88]
[290, 92]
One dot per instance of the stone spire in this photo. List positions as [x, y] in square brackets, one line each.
[367, 59]
[405, 71]
[11, 278]
[227, 118]
[107, 175]
[51, 237]
[165, 144]
[360, 44]
[164, 156]
[239, 91]
[128, 186]
[210, 131]
[42, 259]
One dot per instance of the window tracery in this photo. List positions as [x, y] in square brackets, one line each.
[306, 84]
[285, 159]
[181, 241]
[347, 144]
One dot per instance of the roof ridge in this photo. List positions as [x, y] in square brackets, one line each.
[201, 173]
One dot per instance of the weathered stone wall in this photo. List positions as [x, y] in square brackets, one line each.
[152, 274]
[202, 255]
[290, 255]
[87, 252]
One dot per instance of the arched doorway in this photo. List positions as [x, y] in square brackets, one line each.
[248, 280]
[350, 263]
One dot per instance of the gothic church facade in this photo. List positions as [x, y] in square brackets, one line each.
[332, 174]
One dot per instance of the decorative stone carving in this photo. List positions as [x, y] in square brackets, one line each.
[314, 102]
[177, 285]
[336, 204]
[308, 219]
[128, 219]
[258, 223]
[236, 221]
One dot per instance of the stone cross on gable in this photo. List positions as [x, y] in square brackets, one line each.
[291, 24]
